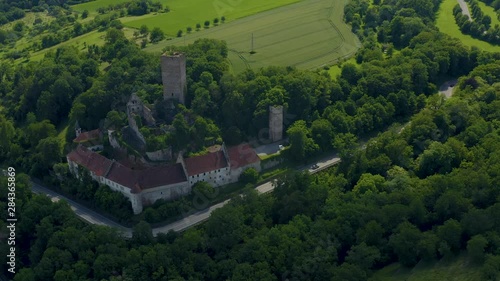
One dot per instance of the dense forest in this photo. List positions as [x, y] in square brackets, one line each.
[425, 190]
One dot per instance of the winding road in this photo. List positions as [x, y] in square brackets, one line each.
[94, 217]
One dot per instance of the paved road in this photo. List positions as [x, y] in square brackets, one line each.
[465, 8]
[447, 88]
[180, 225]
[80, 210]
[189, 221]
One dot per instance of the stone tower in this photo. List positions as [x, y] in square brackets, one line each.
[276, 123]
[173, 75]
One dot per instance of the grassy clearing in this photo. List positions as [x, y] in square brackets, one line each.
[488, 10]
[446, 24]
[308, 35]
[457, 269]
[337, 69]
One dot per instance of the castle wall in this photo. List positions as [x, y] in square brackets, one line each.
[136, 106]
[167, 192]
[215, 178]
[173, 75]
[160, 155]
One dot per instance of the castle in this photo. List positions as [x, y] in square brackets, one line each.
[144, 186]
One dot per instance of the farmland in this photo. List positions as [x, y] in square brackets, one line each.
[308, 34]
[446, 24]
[188, 13]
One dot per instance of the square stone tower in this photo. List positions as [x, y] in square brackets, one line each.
[276, 123]
[173, 75]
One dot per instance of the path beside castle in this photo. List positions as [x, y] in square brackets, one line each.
[93, 217]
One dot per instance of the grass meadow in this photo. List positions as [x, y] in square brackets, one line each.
[446, 24]
[308, 35]
[488, 10]
[188, 13]
[93, 37]
[456, 269]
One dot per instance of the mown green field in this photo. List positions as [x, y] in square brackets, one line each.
[188, 13]
[488, 10]
[308, 35]
[457, 269]
[446, 24]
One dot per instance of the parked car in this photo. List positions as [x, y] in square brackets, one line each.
[314, 167]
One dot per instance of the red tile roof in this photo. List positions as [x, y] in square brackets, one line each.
[87, 136]
[159, 176]
[124, 176]
[242, 155]
[136, 180]
[92, 161]
[205, 163]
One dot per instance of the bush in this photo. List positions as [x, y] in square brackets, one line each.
[250, 175]
[179, 33]
[156, 35]
[203, 189]
[207, 24]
